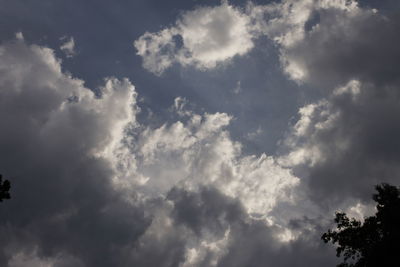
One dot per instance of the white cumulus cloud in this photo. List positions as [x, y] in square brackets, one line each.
[202, 38]
[68, 47]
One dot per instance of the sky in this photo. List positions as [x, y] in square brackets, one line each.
[190, 132]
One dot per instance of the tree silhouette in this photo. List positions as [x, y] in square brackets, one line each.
[374, 242]
[4, 189]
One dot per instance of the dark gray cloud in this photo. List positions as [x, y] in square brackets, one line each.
[249, 242]
[351, 142]
[344, 45]
[348, 141]
[63, 198]
[207, 209]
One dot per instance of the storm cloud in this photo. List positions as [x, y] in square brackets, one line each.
[104, 176]
[348, 140]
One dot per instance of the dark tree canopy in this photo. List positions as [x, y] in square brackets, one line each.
[374, 242]
[4, 189]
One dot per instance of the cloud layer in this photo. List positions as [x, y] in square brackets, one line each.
[106, 189]
[346, 141]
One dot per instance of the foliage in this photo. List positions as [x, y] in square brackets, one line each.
[4, 189]
[375, 242]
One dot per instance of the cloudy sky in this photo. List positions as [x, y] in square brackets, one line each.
[192, 132]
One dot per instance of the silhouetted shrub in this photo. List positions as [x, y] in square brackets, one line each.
[374, 242]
